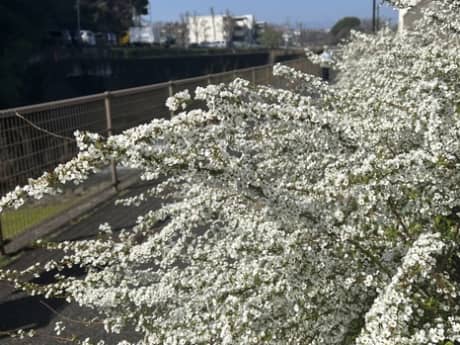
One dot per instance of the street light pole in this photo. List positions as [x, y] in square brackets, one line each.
[374, 22]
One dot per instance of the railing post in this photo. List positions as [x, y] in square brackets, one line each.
[171, 93]
[208, 79]
[253, 75]
[268, 74]
[2, 241]
[108, 118]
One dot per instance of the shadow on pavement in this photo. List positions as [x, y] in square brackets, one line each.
[32, 312]
[29, 312]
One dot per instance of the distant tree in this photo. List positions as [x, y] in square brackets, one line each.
[185, 31]
[193, 26]
[342, 28]
[111, 15]
[366, 25]
[314, 37]
[271, 37]
[24, 26]
[141, 6]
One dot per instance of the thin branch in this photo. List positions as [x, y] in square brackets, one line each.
[44, 130]
[12, 332]
[54, 311]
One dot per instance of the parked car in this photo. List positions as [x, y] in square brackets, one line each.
[87, 37]
[143, 35]
[106, 38]
[58, 38]
[216, 44]
[167, 41]
[220, 44]
[123, 40]
[112, 38]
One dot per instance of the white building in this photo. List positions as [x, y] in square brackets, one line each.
[244, 30]
[209, 30]
[260, 29]
[222, 30]
[407, 17]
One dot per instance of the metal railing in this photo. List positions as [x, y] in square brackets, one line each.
[37, 138]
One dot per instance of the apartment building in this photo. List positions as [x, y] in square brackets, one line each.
[244, 30]
[223, 30]
[212, 30]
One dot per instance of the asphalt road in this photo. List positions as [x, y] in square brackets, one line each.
[18, 310]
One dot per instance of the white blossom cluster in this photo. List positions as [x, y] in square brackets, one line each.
[317, 214]
[178, 101]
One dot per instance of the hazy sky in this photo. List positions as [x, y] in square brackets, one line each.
[314, 13]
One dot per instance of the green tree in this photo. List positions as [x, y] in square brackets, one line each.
[271, 37]
[111, 15]
[342, 28]
[24, 26]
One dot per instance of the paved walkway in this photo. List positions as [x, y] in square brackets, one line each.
[18, 310]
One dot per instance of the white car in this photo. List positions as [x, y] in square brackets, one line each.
[88, 37]
[142, 35]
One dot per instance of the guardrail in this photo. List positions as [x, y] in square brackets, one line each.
[37, 138]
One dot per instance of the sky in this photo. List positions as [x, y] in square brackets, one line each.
[312, 13]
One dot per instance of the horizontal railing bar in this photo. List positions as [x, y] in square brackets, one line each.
[118, 93]
[52, 105]
[191, 80]
[138, 89]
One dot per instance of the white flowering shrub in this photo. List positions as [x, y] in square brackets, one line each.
[322, 214]
[179, 101]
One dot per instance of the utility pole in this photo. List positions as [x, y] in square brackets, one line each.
[78, 18]
[374, 21]
[213, 17]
